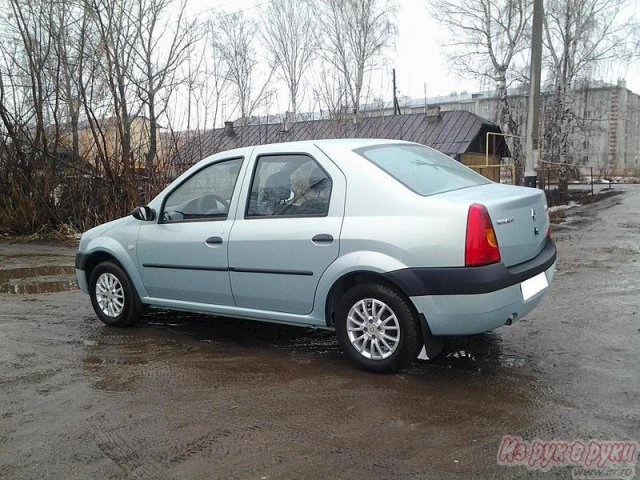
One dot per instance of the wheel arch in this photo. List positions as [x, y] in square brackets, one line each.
[350, 279]
[100, 255]
[95, 258]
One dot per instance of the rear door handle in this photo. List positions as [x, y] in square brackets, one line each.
[322, 238]
[214, 241]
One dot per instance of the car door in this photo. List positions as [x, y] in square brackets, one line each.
[184, 255]
[287, 231]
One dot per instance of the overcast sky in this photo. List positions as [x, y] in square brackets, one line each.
[418, 57]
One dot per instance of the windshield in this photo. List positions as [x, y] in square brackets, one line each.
[422, 169]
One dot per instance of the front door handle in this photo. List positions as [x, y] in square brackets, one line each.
[214, 241]
[322, 238]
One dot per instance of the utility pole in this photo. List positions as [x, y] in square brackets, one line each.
[532, 145]
[425, 98]
[396, 105]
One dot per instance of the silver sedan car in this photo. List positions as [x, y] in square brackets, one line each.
[390, 243]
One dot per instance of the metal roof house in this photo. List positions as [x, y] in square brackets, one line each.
[459, 134]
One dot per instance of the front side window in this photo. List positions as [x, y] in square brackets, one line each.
[204, 196]
[289, 185]
[422, 169]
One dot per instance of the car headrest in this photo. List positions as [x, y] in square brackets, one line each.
[277, 187]
[278, 180]
[316, 179]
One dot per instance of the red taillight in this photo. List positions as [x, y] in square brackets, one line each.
[549, 231]
[482, 245]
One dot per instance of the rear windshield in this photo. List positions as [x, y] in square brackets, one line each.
[422, 169]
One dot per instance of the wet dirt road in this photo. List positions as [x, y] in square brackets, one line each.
[187, 396]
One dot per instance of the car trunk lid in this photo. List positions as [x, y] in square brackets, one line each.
[518, 214]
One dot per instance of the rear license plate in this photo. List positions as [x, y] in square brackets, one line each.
[533, 285]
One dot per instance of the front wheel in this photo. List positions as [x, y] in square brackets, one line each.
[112, 295]
[377, 328]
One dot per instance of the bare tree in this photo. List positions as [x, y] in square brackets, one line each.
[115, 26]
[580, 37]
[206, 84]
[69, 47]
[289, 33]
[355, 34]
[74, 76]
[234, 40]
[33, 66]
[94, 96]
[330, 93]
[211, 80]
[163, 42]
[486, 38]
[28, 104]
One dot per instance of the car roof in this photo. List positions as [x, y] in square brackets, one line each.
[333, 143]
[353, 143]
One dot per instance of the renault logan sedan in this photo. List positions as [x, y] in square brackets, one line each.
[390, 243]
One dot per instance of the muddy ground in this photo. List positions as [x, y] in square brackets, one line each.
[188, 396]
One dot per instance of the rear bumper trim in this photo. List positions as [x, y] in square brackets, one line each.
[470, 280]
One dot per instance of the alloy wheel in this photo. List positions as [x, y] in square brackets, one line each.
[110, 295]
[373, 329]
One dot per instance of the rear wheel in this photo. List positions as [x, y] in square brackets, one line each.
[377, 328]
[112, 295]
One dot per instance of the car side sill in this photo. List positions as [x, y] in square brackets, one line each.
[293, 319]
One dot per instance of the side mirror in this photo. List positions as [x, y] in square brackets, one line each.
[144, 213]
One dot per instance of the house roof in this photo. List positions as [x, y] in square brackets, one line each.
[451, 132]
[106, 122]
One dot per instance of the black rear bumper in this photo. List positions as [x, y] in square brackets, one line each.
[470, 280]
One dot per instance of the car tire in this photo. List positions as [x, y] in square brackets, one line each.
[112, 295]
[377, 328]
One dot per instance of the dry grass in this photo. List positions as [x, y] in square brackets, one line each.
[64, 234]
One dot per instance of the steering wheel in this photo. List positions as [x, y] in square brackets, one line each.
[168, 215]
[205, 204]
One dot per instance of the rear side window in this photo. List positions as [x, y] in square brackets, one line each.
[289, 185]
[422, 169]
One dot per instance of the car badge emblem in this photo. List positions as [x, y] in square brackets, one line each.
[533, 215]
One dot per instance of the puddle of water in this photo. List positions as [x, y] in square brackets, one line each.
[32, 255]
[458, 360]
[512, 361]
[28, 272]
[31, 280]
[38, 287]
[313, 341]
